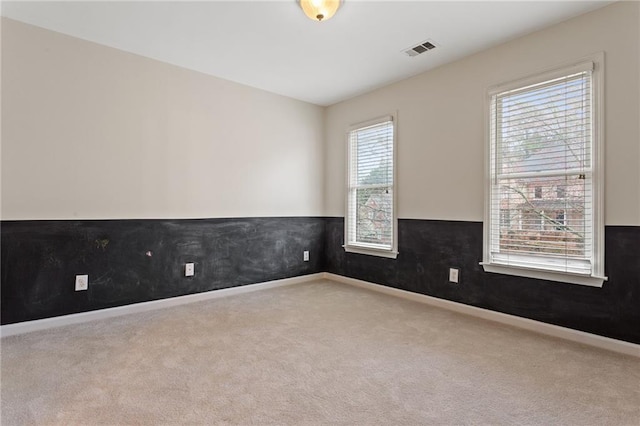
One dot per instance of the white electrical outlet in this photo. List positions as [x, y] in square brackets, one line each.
[453, 275]
[82, 282]
[305, 255]
[189, 269]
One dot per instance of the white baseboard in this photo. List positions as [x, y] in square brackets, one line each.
[524, 323]
[29, 326]
[595, 340]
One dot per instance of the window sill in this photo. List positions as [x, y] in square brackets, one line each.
[390, 254]
[588, 280]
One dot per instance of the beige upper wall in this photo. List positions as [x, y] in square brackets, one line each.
[441, 123]
[92, 132]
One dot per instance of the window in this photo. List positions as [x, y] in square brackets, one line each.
[538, 192]
[561, 221]
[371, 223]
[544, 166]
[505, 218]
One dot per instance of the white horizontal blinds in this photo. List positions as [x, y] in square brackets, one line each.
[541, 195]
[371, 185]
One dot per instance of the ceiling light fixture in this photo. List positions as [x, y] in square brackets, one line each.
[320, 10]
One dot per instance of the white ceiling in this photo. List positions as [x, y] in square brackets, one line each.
[273, 46]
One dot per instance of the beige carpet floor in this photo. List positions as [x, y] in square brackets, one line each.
[314, 353]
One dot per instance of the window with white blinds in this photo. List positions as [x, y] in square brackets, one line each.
[544, 178]
[370, 223]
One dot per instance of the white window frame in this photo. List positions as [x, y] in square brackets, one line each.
[596, 278]
[363, 248]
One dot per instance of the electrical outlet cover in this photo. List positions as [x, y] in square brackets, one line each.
[453, 275]
[189, 269]
[82, 282]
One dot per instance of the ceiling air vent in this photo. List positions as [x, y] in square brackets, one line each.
[421, 48]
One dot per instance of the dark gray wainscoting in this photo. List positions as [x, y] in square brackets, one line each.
[41, 258]
[428, 248]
